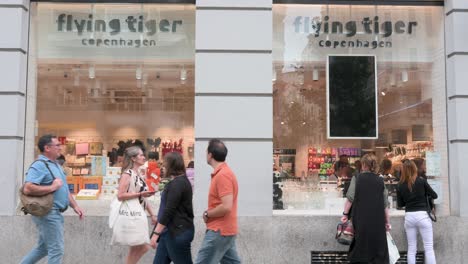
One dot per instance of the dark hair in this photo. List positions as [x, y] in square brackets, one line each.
[174, 164]
[153, 155]
[217, 148]
[385, 165]
[61, 160]
[191, 164]
[419, 164]
[44, 140]
[358, 165]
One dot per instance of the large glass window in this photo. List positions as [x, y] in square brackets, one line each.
[105, 76]
[408, 45]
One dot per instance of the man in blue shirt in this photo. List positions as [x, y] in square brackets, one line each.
[40, 182]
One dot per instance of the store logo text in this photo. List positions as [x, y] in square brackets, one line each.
[316, 26]
[131, 24]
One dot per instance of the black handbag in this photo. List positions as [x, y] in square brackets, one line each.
[344, 233]
[431, 208]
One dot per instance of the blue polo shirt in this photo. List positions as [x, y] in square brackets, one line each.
[40, 175]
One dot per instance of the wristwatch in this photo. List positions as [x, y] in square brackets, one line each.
[346, 214]
[205, 214]
[156, 233]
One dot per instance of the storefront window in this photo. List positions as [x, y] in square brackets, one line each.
[106, 76]
[312, 169]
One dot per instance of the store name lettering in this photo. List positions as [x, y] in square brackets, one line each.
[132, 24]
[316, 27]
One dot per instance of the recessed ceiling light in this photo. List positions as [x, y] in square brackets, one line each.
[91, 71]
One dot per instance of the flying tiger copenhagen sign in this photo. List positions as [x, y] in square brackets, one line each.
[123, 31]
[144, 29]
[367, 26]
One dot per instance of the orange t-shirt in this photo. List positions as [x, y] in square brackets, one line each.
[153, 175]
[223, 182]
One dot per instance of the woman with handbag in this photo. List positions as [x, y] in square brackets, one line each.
[133, 186]
[173, 235]
[412, 194]
[368, 197]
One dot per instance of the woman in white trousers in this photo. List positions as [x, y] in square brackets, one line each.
[411, 193]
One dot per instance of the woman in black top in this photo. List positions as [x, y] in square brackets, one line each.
[411, 193]
[174, 232]
[369, 215]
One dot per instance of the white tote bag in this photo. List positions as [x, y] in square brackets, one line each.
[114, 211]
[130, 225]
[393, 253]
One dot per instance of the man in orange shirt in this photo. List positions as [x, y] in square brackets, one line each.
[219, 244]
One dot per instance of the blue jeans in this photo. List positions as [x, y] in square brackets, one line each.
[175, 249]
[50, 242]
[218, 249]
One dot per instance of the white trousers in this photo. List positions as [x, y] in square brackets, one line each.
[414, 222]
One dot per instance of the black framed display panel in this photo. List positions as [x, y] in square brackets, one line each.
[352, 105]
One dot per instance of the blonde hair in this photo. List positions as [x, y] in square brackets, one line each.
[409, 172]
[130, 153]
[370, 161]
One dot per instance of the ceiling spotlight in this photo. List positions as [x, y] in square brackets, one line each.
[138, 73]
[183, 74]
[273, 77]
[104, 89]
[76, 81]
[112, 96]
[315, 75]
[404, 76]
[383, 93]
[392, 79]
[97, 84]
[304, 123]
[91, 71]
[282, 123]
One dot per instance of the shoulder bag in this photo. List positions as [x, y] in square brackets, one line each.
[430, 206]
[37, 205]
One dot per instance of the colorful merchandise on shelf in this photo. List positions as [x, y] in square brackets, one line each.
[98, 165]
[87, 194]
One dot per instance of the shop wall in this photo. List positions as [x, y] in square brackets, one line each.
[233, 98]
[262, 240]
[14, 20]
[457, 99]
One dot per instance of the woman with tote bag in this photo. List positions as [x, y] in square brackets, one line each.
[128, 218]
[369, 214]
[412, 194]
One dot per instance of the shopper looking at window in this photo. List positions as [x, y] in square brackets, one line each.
[369, 214]
[411, 193]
